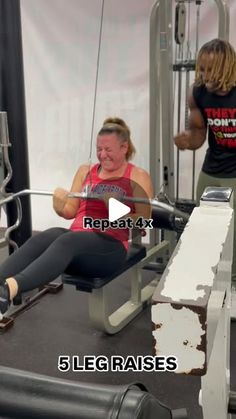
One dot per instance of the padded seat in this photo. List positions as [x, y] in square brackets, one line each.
[163, 219]
[134, 255]
[28, 395]
[99, 297]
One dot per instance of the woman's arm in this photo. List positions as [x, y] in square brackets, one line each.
[142, 188]
[67, 207]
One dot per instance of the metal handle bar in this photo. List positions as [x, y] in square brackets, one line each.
[11, 197]
[153, 202]
[83, 195]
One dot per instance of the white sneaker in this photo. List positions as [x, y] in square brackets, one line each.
[4, 300]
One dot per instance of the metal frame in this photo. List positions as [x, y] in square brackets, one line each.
[161, 96]
[161, 90]
[140, 297]
[191, 314]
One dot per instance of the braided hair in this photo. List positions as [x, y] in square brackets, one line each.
[222, 70]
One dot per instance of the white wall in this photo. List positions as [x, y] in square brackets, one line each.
[60, 45]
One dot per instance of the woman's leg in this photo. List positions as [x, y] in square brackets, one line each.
[89, 252]
[84, 252]
[28, 252]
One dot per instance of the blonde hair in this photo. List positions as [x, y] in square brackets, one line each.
[119, 127]
[223, 70]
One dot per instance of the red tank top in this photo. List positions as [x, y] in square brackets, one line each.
[97, 209]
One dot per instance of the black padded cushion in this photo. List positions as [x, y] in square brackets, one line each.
[26, 395]
[134, 255]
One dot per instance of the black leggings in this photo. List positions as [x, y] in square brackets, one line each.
[50, 253]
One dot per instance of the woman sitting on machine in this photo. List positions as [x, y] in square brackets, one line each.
[83, 250]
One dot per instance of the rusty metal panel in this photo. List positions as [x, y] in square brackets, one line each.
[188, 300]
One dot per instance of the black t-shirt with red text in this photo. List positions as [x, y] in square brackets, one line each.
[219, 113]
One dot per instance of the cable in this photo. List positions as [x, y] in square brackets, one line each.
[96, 84]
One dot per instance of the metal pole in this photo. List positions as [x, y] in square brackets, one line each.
[166, 91]
[12, 101]
[154, 96]
[223, 10]
[155, 159]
